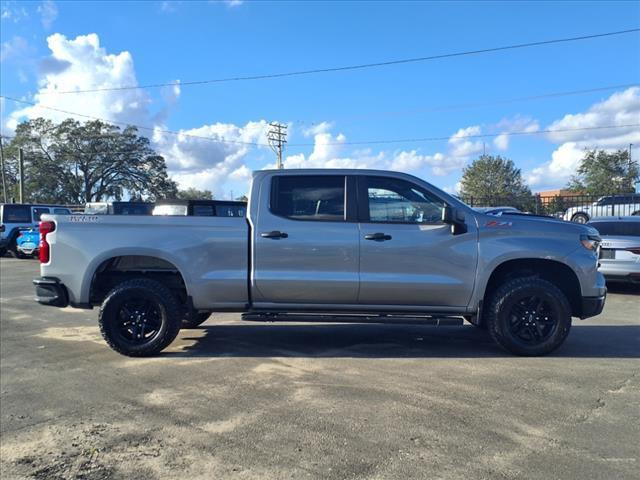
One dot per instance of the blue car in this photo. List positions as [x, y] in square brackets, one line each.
[27, 243]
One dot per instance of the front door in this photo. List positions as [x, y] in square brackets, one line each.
[408, 257]
[305, 246]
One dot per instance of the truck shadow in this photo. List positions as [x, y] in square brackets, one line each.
[388, 341]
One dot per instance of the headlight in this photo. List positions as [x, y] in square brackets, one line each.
[590, 242]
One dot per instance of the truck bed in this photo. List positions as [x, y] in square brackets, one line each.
[210, 253]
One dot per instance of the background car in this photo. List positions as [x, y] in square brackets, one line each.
[496, 210]
[15, 217]
[201, 208]
[610, 206]
[620, 248]
[119, 208]
[27, 243]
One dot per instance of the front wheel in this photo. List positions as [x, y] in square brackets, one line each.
[529, 316]
[580, 218]
[139, 317]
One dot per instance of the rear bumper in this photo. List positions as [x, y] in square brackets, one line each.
[592, 306]
[50, 291]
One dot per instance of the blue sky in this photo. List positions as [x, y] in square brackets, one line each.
[83, 45]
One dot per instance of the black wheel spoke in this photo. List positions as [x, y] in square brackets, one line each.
[532, 319]
[139, 321]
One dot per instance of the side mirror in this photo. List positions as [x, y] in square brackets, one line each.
[455, 218]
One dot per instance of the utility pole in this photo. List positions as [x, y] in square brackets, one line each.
[21, 174]
[631, 186]
[277, 137]
[4, 182]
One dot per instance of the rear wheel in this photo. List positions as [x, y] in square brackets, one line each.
[195, 319]
[580, 218]
[139, 317]
[529, 316]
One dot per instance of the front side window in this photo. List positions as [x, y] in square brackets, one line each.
[313, 197]
[37, 213]
[398, 201]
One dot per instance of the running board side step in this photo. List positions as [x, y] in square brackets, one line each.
[351, 318]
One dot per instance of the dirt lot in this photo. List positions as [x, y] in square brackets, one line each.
[242, 400]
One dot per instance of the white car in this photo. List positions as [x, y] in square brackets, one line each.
[610, 206]
[620, 248]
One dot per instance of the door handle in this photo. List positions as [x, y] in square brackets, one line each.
[274, 234]
[378, 237]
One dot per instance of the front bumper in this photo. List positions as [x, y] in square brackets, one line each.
[592, 306]
[50, 291]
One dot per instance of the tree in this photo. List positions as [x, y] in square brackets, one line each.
[242, 198]
[73, 162]
[491, 179]
[605, 173]
[195, 194]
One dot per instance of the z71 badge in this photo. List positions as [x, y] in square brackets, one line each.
[84, 218]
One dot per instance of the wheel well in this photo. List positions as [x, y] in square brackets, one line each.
[561, 275]
[116, 270]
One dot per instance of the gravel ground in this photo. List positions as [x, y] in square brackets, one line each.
[258, 401]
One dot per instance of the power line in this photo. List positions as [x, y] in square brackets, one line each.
[141, 127]
[367, 142]
[350, 67]
[464, 106]
[482, 135]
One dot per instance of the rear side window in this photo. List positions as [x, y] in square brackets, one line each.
[617, 229]
[61, 211]
[38, 212]
[16, 214]
[313, 197]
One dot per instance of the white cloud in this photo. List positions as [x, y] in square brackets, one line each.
[512, 125]
[16, 47]
[234, 3]
[13, 12]
[322, 127]
[462, 146]
[621, 108]
[78, 64]
[501, 142]
[195, 161]
[48, 13]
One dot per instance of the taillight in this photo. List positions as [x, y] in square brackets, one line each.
[635, 250]
[45, 227]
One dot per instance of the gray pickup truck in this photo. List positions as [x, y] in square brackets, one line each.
[330, 246]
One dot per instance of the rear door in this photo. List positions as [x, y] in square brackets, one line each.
[408, 257]
[305, 241]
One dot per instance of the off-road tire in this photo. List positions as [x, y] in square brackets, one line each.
[499, 315]
[580, 218]
[195, 319]
[170, 313]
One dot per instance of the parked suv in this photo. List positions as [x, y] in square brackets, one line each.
[15, 217]
[611, 206]
[201, 208]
